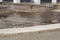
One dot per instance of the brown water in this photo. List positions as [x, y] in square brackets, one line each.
[16, 22]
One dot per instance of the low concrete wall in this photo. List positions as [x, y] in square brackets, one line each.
[45, 32]
[53, 35]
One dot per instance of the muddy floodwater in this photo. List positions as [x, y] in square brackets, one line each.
[29, 16]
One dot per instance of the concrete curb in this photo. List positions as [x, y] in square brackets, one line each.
[29, 29]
